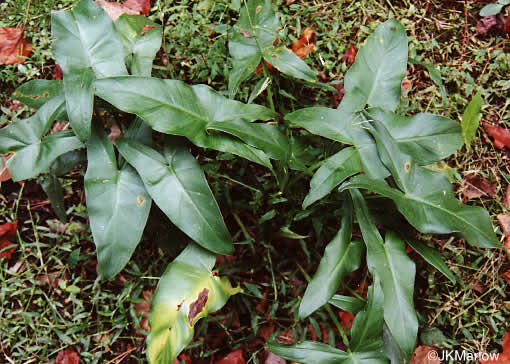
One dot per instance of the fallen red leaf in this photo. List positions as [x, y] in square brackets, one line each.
[303, 46]
[350, 55]
[422, 355]
[346, 319]
[67, 356]
[13, 47]
[339, 95]
[130, 7]
[504, 221]
[7, 231]
[57, 73]
[501, 136]
[260, 71]
[235, 357]
[504, 357]
[506, 276]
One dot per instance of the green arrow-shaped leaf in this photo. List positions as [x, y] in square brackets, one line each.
[178, 186]
[117, 202]
[35, 93]
[86, 46]
[255, 39]
[187, 291]
[172, 107]
[367, 328]
[333, 172]
[376, 75]
[33, 152]
[428, 138]
[390, 264]
[341, 257]
[425, 197]
[141, 39]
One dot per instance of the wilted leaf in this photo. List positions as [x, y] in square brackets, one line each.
[274, 359]
[187, 291]
[350, 55]
[67, 356]
[504, 357]
[501, 136]
[7, 231]
[235, 357]
[506, 198]
[504, 221]
[421, 355]
[5, 175]
[477, 186]
[485, 24]
[130, 7]
[13, 47]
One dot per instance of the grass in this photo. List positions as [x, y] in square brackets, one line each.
[41, 316]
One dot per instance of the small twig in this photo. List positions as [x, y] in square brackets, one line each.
[26, 14]
[121, 356]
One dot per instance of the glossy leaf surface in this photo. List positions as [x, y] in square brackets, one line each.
[141, 39]
[334, 171]
[187, 291]
[347, 303]
[256, 39]
[340, 258]
[35, 93]
[425, 197]
[172, 107]
[86, 47]
[178, 186]
[33, 152]
[117, 203]
[376, 75]
[471, 119]
[396, 271]
[428, 138]
[433, 257]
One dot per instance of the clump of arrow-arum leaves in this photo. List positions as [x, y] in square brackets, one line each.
[107, 65]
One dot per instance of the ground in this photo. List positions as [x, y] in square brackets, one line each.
[51, 297]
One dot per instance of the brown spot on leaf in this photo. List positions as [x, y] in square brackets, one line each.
[246, 33]
[146, 29]
[46, 94]
[140, 200]
[198, 306]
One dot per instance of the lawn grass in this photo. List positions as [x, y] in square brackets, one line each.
[51, 297]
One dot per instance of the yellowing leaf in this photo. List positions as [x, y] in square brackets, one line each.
[188, 291]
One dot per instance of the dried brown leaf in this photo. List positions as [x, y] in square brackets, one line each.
[67, 356]
[423, 354]
[477, 186]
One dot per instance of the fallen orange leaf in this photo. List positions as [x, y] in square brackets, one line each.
[501, 136]
[303, 46]
[6, 232]
[13, 47]
[350, 55]
[504, 357]
[130, 7]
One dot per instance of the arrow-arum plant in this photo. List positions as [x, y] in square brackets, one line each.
[107, 66]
